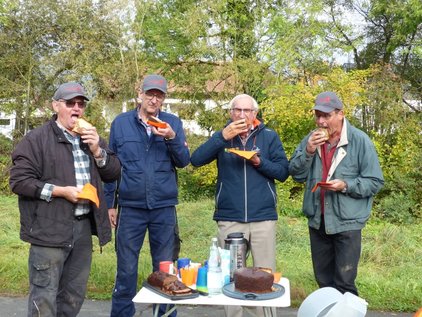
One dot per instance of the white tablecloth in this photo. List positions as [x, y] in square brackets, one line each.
[146, 296]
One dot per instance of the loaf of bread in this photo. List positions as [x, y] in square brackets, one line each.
[168, 283]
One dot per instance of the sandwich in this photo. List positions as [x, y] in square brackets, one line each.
[81, 125]
[324, 132]
[155, 122]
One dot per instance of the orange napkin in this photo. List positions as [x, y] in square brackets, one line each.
[319, 184]
[245, 154]
[90, 192]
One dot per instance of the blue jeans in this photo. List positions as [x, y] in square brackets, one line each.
[58, 276]
[335, 258]
[133, 224]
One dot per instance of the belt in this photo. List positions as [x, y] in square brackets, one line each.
[82, 217]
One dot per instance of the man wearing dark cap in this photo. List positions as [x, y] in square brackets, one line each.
[337, 209]
[51, 165]
[146, 194]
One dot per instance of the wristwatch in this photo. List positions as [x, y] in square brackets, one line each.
[102, 159]
[169, 139]
[344, 190]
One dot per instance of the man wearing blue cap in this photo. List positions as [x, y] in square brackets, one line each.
[51, 165]
[146, 194]
[344, 159]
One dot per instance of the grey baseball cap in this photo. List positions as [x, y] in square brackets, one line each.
[155, 82]
[327, 101]
[70, 90]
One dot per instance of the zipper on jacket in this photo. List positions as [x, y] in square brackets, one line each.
[245, 173]
[273, 194]
[246, 192]
[217, 197]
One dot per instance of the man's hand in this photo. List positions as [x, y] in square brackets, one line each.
[317, 138]
[70, 193]
[91, 137]
[235, 128]
[166, 132]
[336, 185]
[255, 160]
[112, 216]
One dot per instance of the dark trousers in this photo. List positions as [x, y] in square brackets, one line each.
[335, 258]
[133, 224]
[58, 276]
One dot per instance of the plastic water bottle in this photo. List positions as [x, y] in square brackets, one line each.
[214, 275]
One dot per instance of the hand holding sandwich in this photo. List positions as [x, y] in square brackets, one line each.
[235, 128]
[161, 128]
[317, 138]
[89, 135]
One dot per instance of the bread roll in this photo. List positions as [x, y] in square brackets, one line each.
[325, 132]
[80, 125]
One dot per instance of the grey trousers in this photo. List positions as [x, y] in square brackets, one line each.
[58, 276]
[261, 236]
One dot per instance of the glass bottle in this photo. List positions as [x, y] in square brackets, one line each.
[214, 275]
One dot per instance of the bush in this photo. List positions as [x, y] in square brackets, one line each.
[6, 146]
[395, 208]
[193, 185]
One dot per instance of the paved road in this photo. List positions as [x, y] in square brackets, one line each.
[17, 307]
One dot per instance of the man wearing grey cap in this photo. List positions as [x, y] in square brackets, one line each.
[147, 192]
[340, 166]
[51, 166]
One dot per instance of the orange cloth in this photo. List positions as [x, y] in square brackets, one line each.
[245, 154]
[90, 192]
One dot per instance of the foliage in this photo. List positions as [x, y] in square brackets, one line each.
[197, 183]
[288, 110]
[48, 42]
[6, 147]
[401, 199]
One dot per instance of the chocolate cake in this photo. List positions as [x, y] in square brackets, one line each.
[253, 280]
[168, 283]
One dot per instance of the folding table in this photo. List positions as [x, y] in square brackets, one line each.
[146, 296]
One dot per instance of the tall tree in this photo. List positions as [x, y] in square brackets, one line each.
[48, 42]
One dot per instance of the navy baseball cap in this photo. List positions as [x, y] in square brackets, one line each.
[155, 82]
[327, 101]
[70, 90]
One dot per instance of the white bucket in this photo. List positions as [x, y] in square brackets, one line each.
[349, 305]
[319, 302]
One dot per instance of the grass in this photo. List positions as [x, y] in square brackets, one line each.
[389, 278]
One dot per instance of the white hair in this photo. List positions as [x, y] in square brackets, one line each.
[233, 101]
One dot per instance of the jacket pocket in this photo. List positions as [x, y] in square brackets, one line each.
[130, 149]
[310, 203]
[128, 185]
[349, 208]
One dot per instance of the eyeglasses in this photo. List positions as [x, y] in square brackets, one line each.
[72, 103]
[151, 95]
[238, 111]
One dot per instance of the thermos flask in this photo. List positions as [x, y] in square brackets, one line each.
[239, 248]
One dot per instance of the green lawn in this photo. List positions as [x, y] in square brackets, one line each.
[390, 274]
